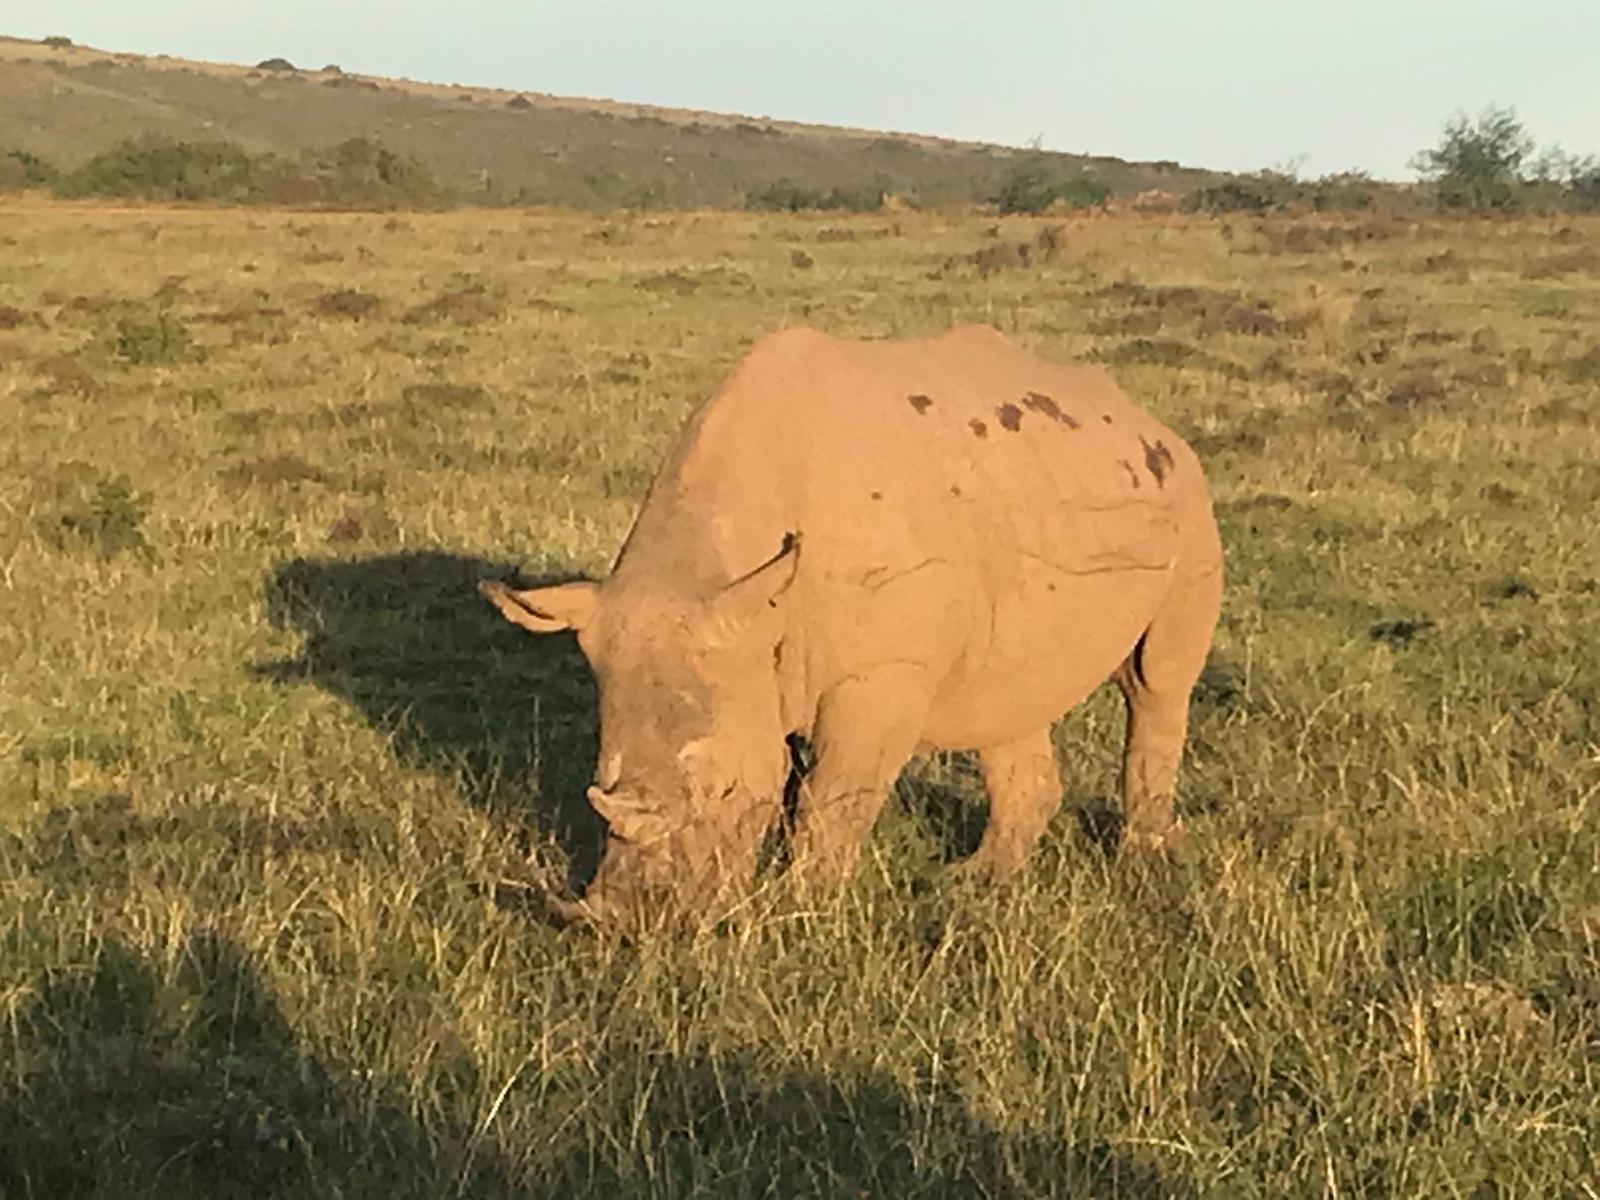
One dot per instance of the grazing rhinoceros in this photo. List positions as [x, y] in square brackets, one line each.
[884, 546]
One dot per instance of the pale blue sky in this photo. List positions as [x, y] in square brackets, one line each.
[1235, 84]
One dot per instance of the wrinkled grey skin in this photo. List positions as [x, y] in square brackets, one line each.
[886, 547]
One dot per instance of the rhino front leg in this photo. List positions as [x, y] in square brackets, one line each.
[1024, 789]
[867, 728]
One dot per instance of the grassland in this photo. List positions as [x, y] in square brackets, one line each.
[276, 785]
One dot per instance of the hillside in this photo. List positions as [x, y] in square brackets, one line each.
[65, 103]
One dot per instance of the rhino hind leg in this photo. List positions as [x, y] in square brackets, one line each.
[867, 729]
[1156, 679]
[1024, 787]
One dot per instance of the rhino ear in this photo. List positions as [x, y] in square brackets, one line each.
[735, 608]
[629, 819]
[547, 609]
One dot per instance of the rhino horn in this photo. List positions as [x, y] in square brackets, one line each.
[629, 817]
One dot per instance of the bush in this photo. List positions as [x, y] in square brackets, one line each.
[1265, 191]
[1478, 165]
[1084, 191]
[1584, 188]
[156, 168]
[58, 42]
[19, 169]
[275, 64]
[109, 522]
[357, 172]
[788, 196]
[362, 171]
[145, 341]
[1029, 188]
[1275, 191]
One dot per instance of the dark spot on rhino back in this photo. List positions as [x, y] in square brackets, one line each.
[920, 402]
[979, 429]
[1010, 417]
[877, 495]
[1106, 417]
[1157, 460]
[1040, 403]
[1133, 476]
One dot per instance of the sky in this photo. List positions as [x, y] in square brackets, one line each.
[1314, 85]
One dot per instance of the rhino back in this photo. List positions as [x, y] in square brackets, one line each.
[962, 502]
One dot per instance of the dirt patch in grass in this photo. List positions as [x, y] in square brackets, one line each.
[1585, 368]
[238, 314]
[1204, 310]
[278, 470]
[1559, 266]
[442, 395]
[361, 524]
[346, 302]
[674, 282]
[471, 305]
[67, 375]
[1482, 375]
[1167, 352]
[872, 233]
[1416, 388]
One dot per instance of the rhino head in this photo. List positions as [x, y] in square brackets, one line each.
[692, 755]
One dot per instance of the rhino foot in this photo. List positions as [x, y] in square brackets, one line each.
[1153, 840]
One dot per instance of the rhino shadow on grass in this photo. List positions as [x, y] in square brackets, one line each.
[406, 639]
[145, 1080]
[142, 1079]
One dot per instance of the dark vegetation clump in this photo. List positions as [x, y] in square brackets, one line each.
[357, 171]
[109, 520]
[152, 340]
[57, 42]
[1488, 165]
[1280, 191]
[19, 170]
[12, 318]
[1003, 256]
[1030, 188]
[787, 196]
[275, 64]
[1401, 632]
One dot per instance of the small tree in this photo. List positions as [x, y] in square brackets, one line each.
[1478, 164]
[1026, 189]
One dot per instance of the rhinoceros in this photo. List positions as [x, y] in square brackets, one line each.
[884, 547]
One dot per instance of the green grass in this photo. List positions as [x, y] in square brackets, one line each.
[278, 786]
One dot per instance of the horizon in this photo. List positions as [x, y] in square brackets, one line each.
[1187, 87]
